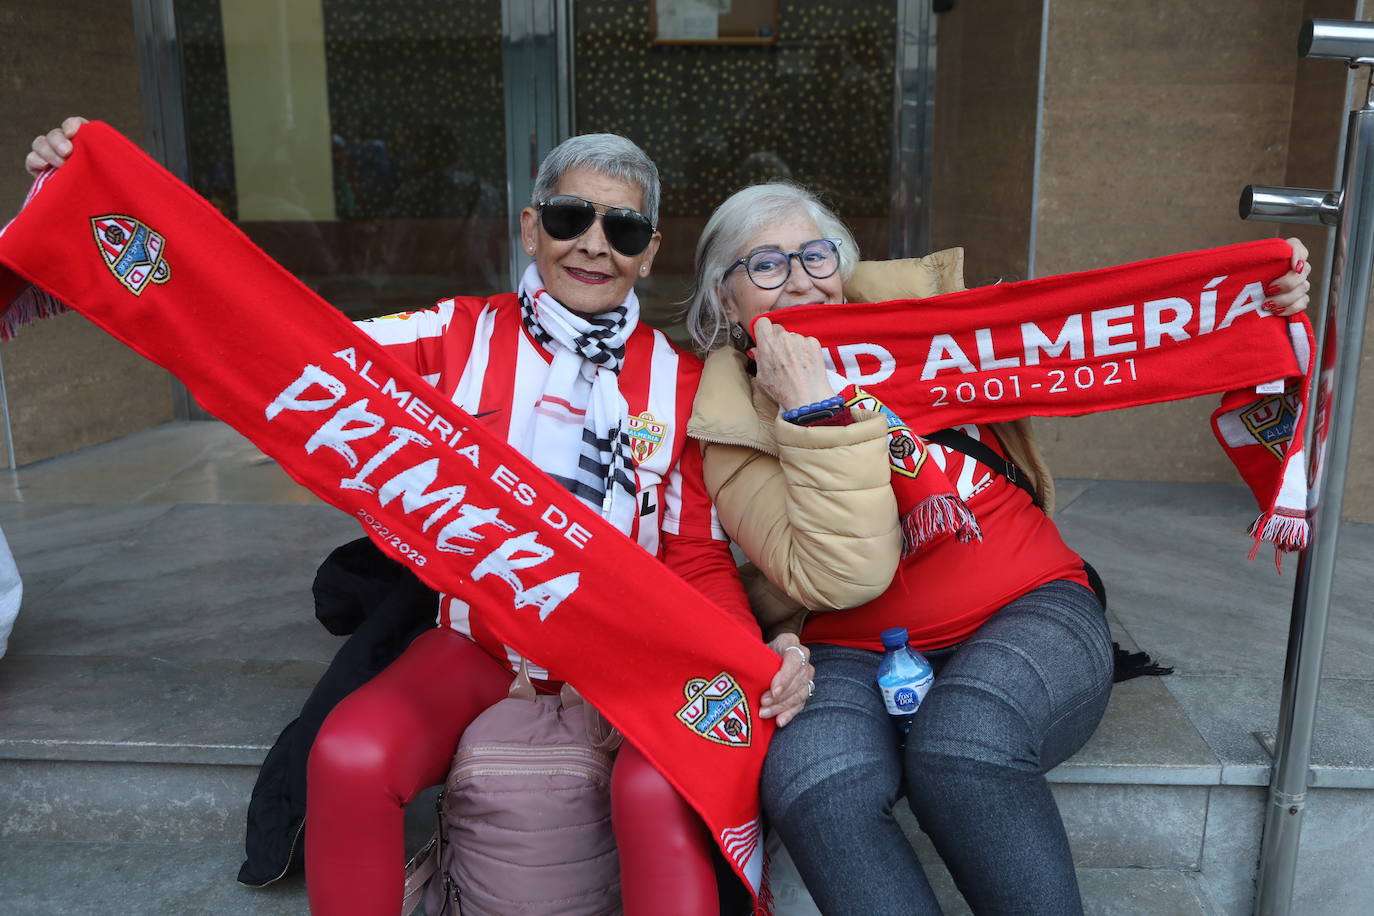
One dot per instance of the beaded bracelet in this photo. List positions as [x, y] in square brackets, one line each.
[809, 413]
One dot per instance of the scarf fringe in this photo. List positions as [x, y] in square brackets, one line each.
[1288, 533]
[936, 516]
[763, 900]
[29, 307]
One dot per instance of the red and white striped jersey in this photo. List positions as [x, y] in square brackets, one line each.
[477, 353]
[947, 589]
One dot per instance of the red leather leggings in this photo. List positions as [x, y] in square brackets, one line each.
[396, 735]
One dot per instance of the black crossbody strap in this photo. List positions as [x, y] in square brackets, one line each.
[983, 453]
[1125, 665]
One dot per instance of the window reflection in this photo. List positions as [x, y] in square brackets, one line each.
[816, 108]
[359, 142]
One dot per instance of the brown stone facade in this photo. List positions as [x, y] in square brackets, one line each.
[1152, 119]
[67, 383]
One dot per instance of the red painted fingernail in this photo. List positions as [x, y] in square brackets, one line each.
[1273, 288]
[1271, 306]
[1297, 268]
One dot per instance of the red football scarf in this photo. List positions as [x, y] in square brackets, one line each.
[118, 238]
[926, 502]
[1175, 327]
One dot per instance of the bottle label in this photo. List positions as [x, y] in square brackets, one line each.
[904, 699]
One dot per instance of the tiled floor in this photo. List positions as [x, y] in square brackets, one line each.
[167, 618]
[184, 545]
[1180, 585]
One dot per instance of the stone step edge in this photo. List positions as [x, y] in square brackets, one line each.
[1096, 773]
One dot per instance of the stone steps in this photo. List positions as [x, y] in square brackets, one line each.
[45, 877]
[154, 806]
[41, 878]
[166, 638]
[165, 811]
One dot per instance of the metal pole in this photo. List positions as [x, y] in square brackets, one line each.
[535, 55]
[1336, 372]
[1305, 206]
[913, 127]
[162, 89]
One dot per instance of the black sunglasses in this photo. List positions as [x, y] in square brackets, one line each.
[566, 217]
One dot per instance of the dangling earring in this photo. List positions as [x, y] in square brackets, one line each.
[740, 338]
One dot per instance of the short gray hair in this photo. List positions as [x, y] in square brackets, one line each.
[610, 154]
[743, 215]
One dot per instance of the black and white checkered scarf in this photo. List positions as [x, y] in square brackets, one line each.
[577, 432]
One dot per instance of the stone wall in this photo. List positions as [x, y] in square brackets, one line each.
[1151, 121]
[68, 384]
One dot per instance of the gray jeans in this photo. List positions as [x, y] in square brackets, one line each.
[1019, 696]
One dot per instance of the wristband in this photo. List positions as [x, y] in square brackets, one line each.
[810, 413]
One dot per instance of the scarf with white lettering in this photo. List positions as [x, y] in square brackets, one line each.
[576, 432]
[119, 239]
[1169, 328]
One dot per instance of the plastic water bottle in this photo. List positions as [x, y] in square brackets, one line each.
[904, 676]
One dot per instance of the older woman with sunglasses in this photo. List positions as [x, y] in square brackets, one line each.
[1018, 639]
[558, 368]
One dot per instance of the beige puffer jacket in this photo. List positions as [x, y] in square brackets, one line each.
[812, 507]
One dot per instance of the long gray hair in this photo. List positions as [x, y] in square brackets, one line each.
[735, 222]
[609, 154]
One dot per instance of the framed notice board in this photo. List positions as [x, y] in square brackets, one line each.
[713, 22]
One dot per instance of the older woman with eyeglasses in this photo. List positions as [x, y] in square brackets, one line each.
[1017, 637]
[557, 368]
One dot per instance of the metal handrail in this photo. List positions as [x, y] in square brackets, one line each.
[1336, 372]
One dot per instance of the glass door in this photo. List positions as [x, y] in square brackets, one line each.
[725, 95]
[383, 151]
[360, 144]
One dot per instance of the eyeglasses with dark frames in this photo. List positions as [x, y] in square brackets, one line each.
[565, 217]
[769, 268]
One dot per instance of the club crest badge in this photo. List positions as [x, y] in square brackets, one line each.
[133, 252]
[716, 710]
[399, 316]
[646, 435]
[905, 452]
[1271, 421]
